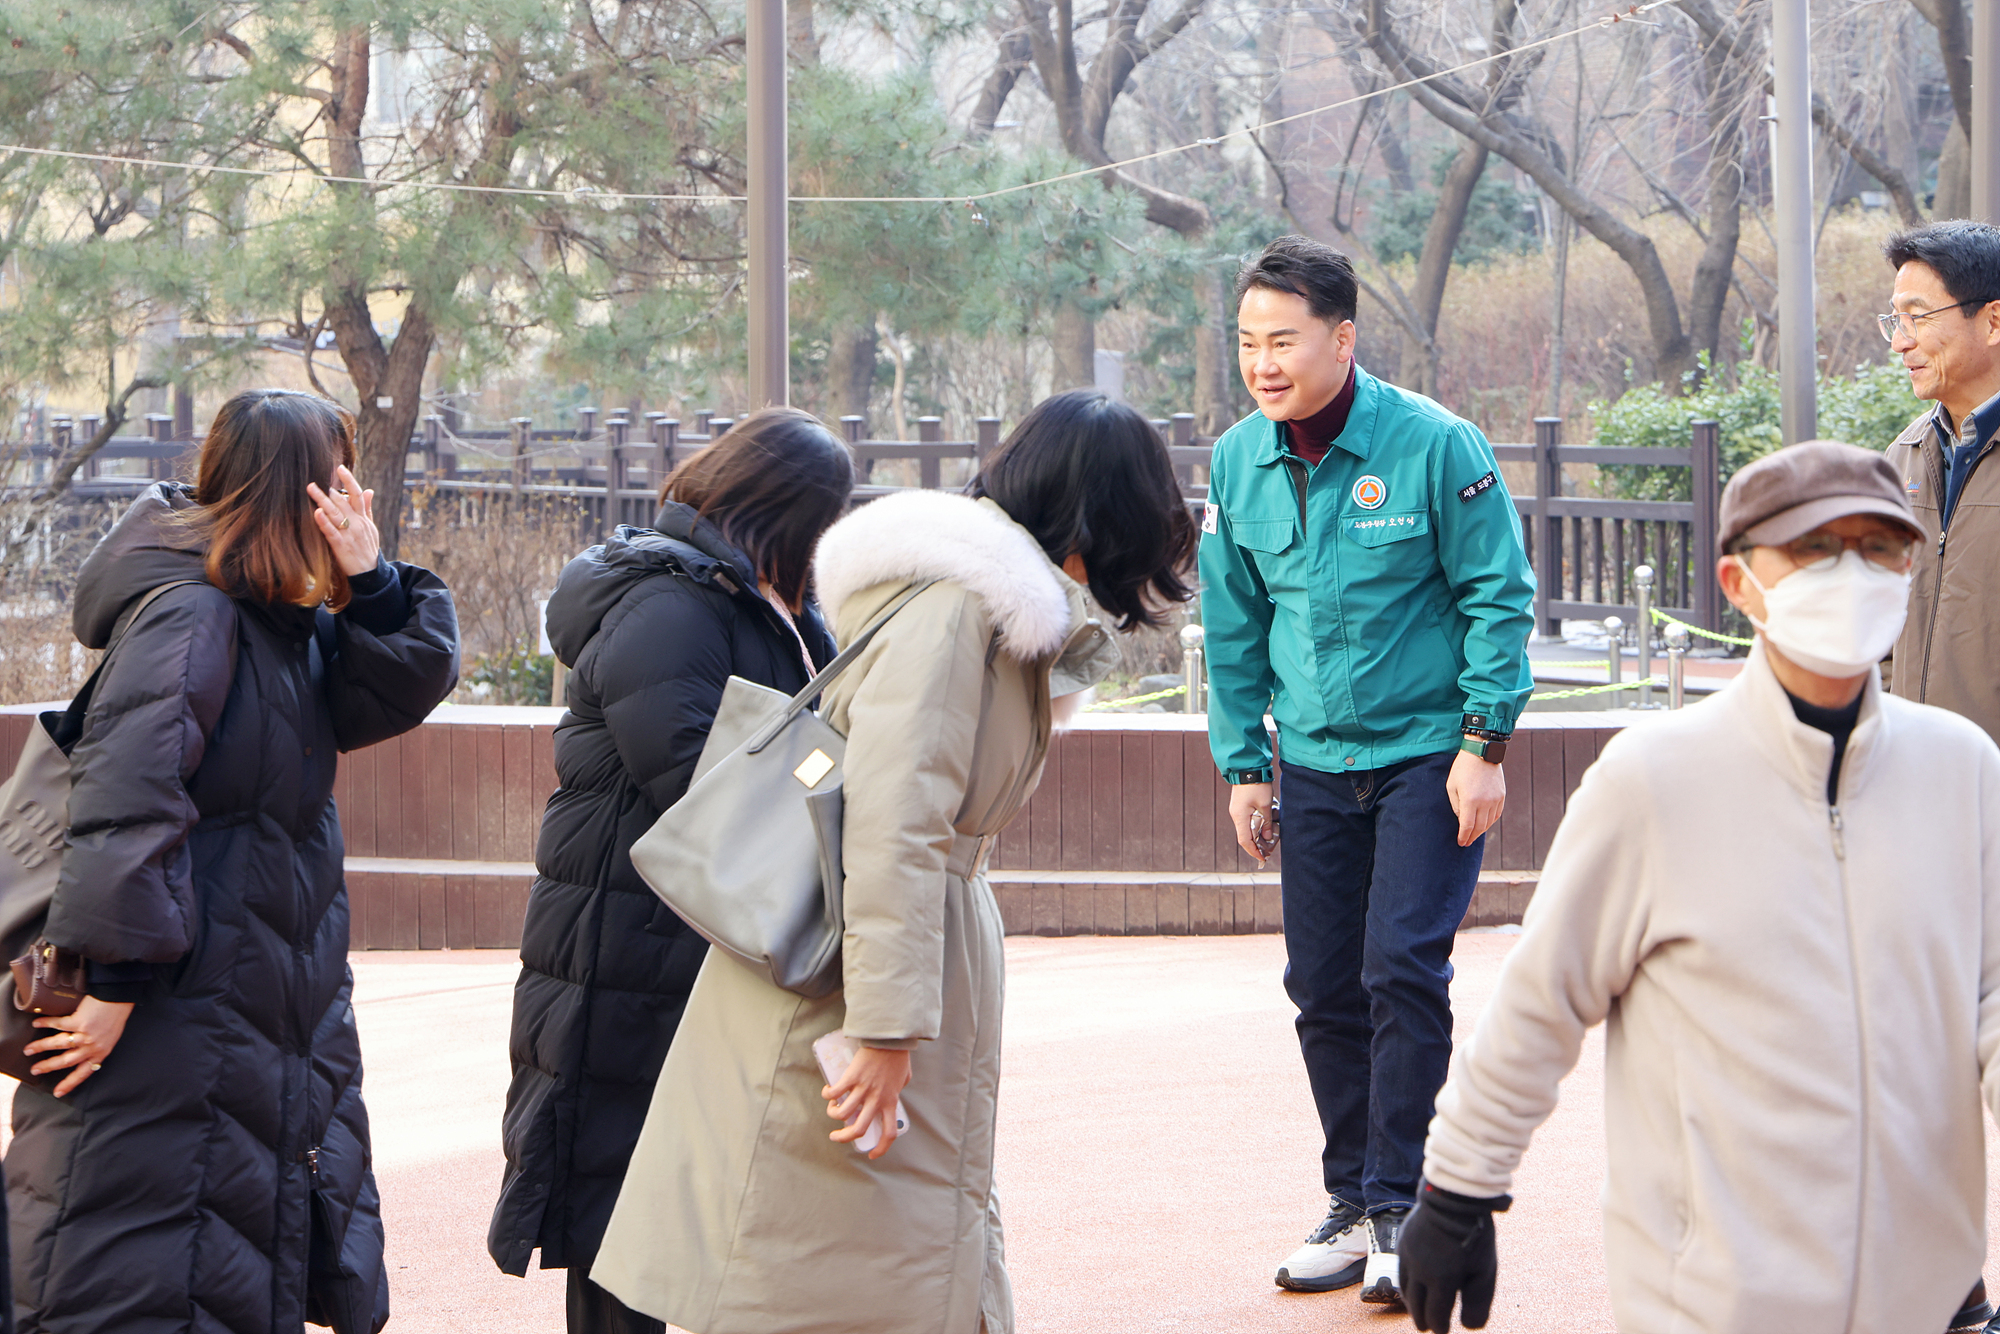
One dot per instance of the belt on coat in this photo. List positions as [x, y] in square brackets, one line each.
[968, 855]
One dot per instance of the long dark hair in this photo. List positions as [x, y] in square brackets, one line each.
[773, 483]
[1090, 477]
[262, 448]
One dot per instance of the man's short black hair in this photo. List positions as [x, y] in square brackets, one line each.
[1305, 268]
[1964, 255]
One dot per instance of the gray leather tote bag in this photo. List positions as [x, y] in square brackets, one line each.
[750, 855]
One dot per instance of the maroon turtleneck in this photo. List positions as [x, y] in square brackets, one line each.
[1313, 436]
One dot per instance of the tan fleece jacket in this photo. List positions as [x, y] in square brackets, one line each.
[1802, 1002]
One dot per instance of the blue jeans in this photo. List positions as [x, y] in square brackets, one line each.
[1375, 886]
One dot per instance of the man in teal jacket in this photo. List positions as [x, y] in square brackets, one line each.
[1363, 578]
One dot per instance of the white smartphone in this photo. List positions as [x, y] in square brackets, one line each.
[835, 1052]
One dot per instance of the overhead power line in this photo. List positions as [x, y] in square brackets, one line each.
[588, 193]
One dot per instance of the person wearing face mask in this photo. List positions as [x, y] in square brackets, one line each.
[1785, 904]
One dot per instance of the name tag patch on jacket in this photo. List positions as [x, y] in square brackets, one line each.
[1381, 529]
[1209, 517]
[1485, 483]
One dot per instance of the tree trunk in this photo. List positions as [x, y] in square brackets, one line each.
[1213, 366]
[1954, 33]
[850, 369]
[1531, 149]
[1073, 339]
[1731, 89]
[1954, 178]
[389, 382]
[389, 379]
[801, 41]
[1015, 58]
[1420, 358]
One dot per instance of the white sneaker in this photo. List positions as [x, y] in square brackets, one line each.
[1382, 1284]
[1333, 1256]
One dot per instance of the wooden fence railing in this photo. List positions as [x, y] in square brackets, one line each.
[1583, 549]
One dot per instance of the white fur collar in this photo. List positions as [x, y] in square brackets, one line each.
[915, 535]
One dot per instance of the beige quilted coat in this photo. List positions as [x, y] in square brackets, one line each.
[738, 1214]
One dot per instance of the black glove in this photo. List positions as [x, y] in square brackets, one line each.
[1445, 1250]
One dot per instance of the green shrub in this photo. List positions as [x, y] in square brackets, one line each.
[512, 676]
[1871, 408]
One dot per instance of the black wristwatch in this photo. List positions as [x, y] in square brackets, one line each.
[1480, 740]
[1240, 777]
[1491, 748]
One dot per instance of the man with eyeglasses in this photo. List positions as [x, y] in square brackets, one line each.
[1946, 328]
[1786, 905]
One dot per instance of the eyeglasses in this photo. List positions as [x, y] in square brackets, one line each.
[1905, 322]
[1820, 549]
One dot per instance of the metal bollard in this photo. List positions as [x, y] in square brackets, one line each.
[1677, 645]
[1642, 580]
[1614, 646]
[1191, 641]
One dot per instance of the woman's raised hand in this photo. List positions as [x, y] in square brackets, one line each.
[868, 1090]
[347, 520]
[81, 1040]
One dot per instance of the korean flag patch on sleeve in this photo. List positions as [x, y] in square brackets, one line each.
[1466, 493]
[1209, 516]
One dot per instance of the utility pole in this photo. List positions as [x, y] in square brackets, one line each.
[1986, 111]
[1791, 183]
[769, 190]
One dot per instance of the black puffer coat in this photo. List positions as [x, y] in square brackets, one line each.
[653, 623]
[214, 1177]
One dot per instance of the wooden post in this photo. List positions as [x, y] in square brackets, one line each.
[433, 441]
[1182, 437]
[86, 432]
[523, 432]
[1705, 481]
[930, 431]
[62, 437]
[616, 429]
[704, 422]
[988, 437]
[1547, 540]
[667, 435]
[160, 426]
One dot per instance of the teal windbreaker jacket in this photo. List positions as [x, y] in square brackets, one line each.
[1376, 609]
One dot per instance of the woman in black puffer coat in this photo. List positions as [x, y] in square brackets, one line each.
[652, 624]
[202, 1165]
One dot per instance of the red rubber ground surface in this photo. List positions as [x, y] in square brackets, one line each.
[1158, 1152]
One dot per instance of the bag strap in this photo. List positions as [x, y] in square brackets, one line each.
[73, 716]
[842, 661]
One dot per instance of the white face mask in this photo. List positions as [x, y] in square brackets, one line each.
[1836, 622]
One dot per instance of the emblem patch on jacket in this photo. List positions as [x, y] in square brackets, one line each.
[1484, 483]
[1210, 515]
[1369, 492]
